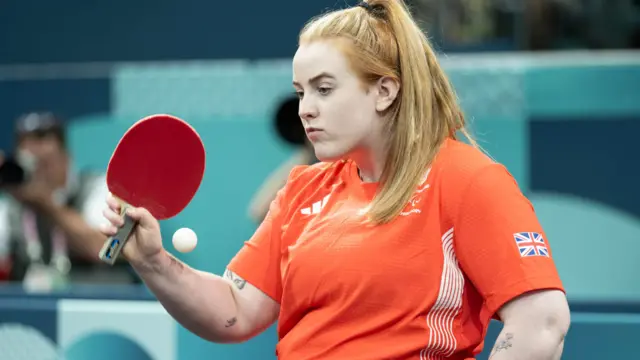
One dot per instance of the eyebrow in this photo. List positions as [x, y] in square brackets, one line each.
[317, 78]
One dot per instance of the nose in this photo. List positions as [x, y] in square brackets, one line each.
[307, 110]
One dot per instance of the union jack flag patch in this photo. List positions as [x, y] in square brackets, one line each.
[531, 244]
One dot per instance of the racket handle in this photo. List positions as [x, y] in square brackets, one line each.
[113, 246]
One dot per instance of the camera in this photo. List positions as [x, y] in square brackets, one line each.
[16, 169]
[11, 172]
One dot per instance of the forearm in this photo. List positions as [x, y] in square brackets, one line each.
[82, 238]
[201, 302]
[528, 343]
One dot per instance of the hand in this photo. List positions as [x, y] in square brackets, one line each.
[145, 242]
[35, 194]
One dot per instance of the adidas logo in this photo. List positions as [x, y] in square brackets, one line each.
[316, 207]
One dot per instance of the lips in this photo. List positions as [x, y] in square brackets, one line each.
[313, 133]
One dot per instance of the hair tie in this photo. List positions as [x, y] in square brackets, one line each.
[365, 5]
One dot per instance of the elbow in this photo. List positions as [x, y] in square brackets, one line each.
[235, 330]
[245, 332]
[228, 339]
[240, 338]
[218, 336]
[231, 336]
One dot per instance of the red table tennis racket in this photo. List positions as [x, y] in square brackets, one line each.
[158, 165]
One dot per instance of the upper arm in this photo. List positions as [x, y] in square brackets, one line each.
[258, 261]
[499, 241]
[256, 267]
[544, 309]
[256, 310]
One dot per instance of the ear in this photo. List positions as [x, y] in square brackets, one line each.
[387, 89]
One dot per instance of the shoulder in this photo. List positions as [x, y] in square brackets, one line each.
[460, 162]
[459, 166]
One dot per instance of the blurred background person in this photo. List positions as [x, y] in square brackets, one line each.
[48, 226]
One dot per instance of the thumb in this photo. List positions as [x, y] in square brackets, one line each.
[142, 216]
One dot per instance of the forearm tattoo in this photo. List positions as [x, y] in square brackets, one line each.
[231, 322]
[239, 283]
[502, 344]
[237, 280]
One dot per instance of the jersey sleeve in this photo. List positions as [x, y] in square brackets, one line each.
[258, 261]
[500, 244]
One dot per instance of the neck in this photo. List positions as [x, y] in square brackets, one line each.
[370, 164]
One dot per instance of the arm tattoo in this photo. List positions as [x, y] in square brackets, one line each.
[231, 322]
[502, 344]
[237, 280]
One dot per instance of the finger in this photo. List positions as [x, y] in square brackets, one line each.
[108, 230]
[113, 203]
[142, 216]
[114, 218]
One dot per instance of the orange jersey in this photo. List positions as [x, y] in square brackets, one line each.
[423, 286]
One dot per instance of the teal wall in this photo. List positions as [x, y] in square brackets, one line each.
[595, 243]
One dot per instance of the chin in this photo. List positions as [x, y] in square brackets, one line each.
[328, 153]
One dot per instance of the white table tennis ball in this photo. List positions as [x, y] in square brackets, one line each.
[185, 240]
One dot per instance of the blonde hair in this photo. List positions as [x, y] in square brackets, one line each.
[383, 40]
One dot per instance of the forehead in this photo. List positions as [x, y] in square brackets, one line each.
[317, 57]
[36, 138]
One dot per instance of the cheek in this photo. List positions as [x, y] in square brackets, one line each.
[49, 149]
[344, 110]
[357, 116]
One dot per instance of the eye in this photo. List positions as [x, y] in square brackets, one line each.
[299, 94]
[324, 91]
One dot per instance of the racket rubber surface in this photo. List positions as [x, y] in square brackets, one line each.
[158, 164]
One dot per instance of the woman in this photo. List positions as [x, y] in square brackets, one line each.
[402, 243]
